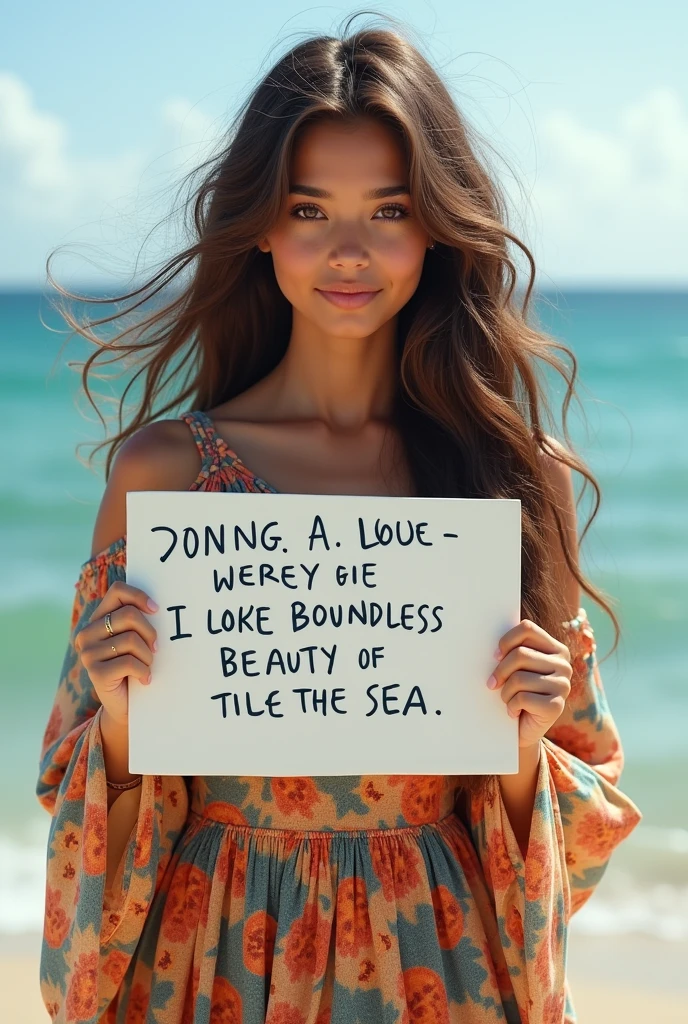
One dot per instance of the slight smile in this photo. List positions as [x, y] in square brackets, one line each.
[348, 300]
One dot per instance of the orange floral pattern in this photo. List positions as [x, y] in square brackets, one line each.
[82, 994]
[285, 1013]
[448, 917]
[396, 865]
[305, 951]
[295, 796]
[225, 1005]
[501, 866]
[57, 923]
[420, 798]
[183, 904]
[354, 933]
[259, 943]
[277, 901]
[94, 839]
[426, 997]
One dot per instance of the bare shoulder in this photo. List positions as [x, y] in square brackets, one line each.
[161, 456]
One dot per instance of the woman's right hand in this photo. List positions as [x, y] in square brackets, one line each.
[134, 643]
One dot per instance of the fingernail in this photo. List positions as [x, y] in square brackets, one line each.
[497, 654]
[155, 645]
[154, 607]
[492, 682]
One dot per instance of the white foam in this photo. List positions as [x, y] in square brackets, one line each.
[22, 879]
[660, 911]
[651, 837]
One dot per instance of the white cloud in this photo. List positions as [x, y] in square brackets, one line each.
[50, 195]
[196, 131]
[615, 202]
[40, 180]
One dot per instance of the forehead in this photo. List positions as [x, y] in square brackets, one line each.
[344, 154]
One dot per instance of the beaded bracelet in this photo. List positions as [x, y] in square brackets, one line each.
[580, 619]
[124, 785]
[581, 632]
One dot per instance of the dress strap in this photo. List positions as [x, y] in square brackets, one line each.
[218, 460]
[205, 436]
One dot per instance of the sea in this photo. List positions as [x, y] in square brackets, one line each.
[630, 426]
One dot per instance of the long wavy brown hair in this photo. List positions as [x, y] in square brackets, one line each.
[470, 404]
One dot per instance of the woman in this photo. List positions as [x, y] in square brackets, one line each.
[348, 329]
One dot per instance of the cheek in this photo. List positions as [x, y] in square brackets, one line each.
[401, 273]
[401, 260]
[296, 262]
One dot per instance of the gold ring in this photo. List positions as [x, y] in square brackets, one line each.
[114, 648]
[108, 625]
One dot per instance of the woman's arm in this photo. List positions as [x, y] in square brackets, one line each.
[518, 790]
[123, 805]
[545, 835]
[161, 456]
[107, 855]
[518, 793]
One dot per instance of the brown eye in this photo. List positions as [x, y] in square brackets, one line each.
[396, 207]
[304, 206]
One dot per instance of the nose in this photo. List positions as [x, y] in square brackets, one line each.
[349, 256]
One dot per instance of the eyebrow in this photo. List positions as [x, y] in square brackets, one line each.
[374, 193]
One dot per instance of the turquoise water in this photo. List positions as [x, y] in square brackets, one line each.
[632, 350]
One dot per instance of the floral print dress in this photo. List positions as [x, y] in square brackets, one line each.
[334, 900]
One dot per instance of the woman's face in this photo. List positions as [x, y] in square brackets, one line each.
[331, 232]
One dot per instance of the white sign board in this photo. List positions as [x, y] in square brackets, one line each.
[307, 635]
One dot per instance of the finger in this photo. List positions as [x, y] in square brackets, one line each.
[121, 620]
[115, 647]
[543, 706]
[528, 633]
[121, 593]
[532, 682]
[105, 673]
[524, 658]
[125, 618]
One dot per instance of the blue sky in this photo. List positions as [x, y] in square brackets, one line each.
[103, 108]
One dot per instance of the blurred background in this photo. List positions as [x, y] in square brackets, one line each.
[584, 115]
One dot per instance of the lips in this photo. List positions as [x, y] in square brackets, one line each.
[348, 299]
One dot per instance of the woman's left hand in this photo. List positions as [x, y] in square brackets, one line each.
[534, 673]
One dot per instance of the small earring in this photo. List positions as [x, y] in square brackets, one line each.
[431, 246]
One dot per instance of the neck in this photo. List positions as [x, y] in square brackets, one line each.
[342, 381]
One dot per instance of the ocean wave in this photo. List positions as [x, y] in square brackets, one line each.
[623, 905]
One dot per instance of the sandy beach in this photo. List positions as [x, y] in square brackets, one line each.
[631, 978]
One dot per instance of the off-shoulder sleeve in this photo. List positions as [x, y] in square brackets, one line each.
[90, 933]
[579, 817]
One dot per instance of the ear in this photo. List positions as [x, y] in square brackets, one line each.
[263, 245]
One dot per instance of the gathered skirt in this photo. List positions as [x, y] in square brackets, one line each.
[321, 924]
